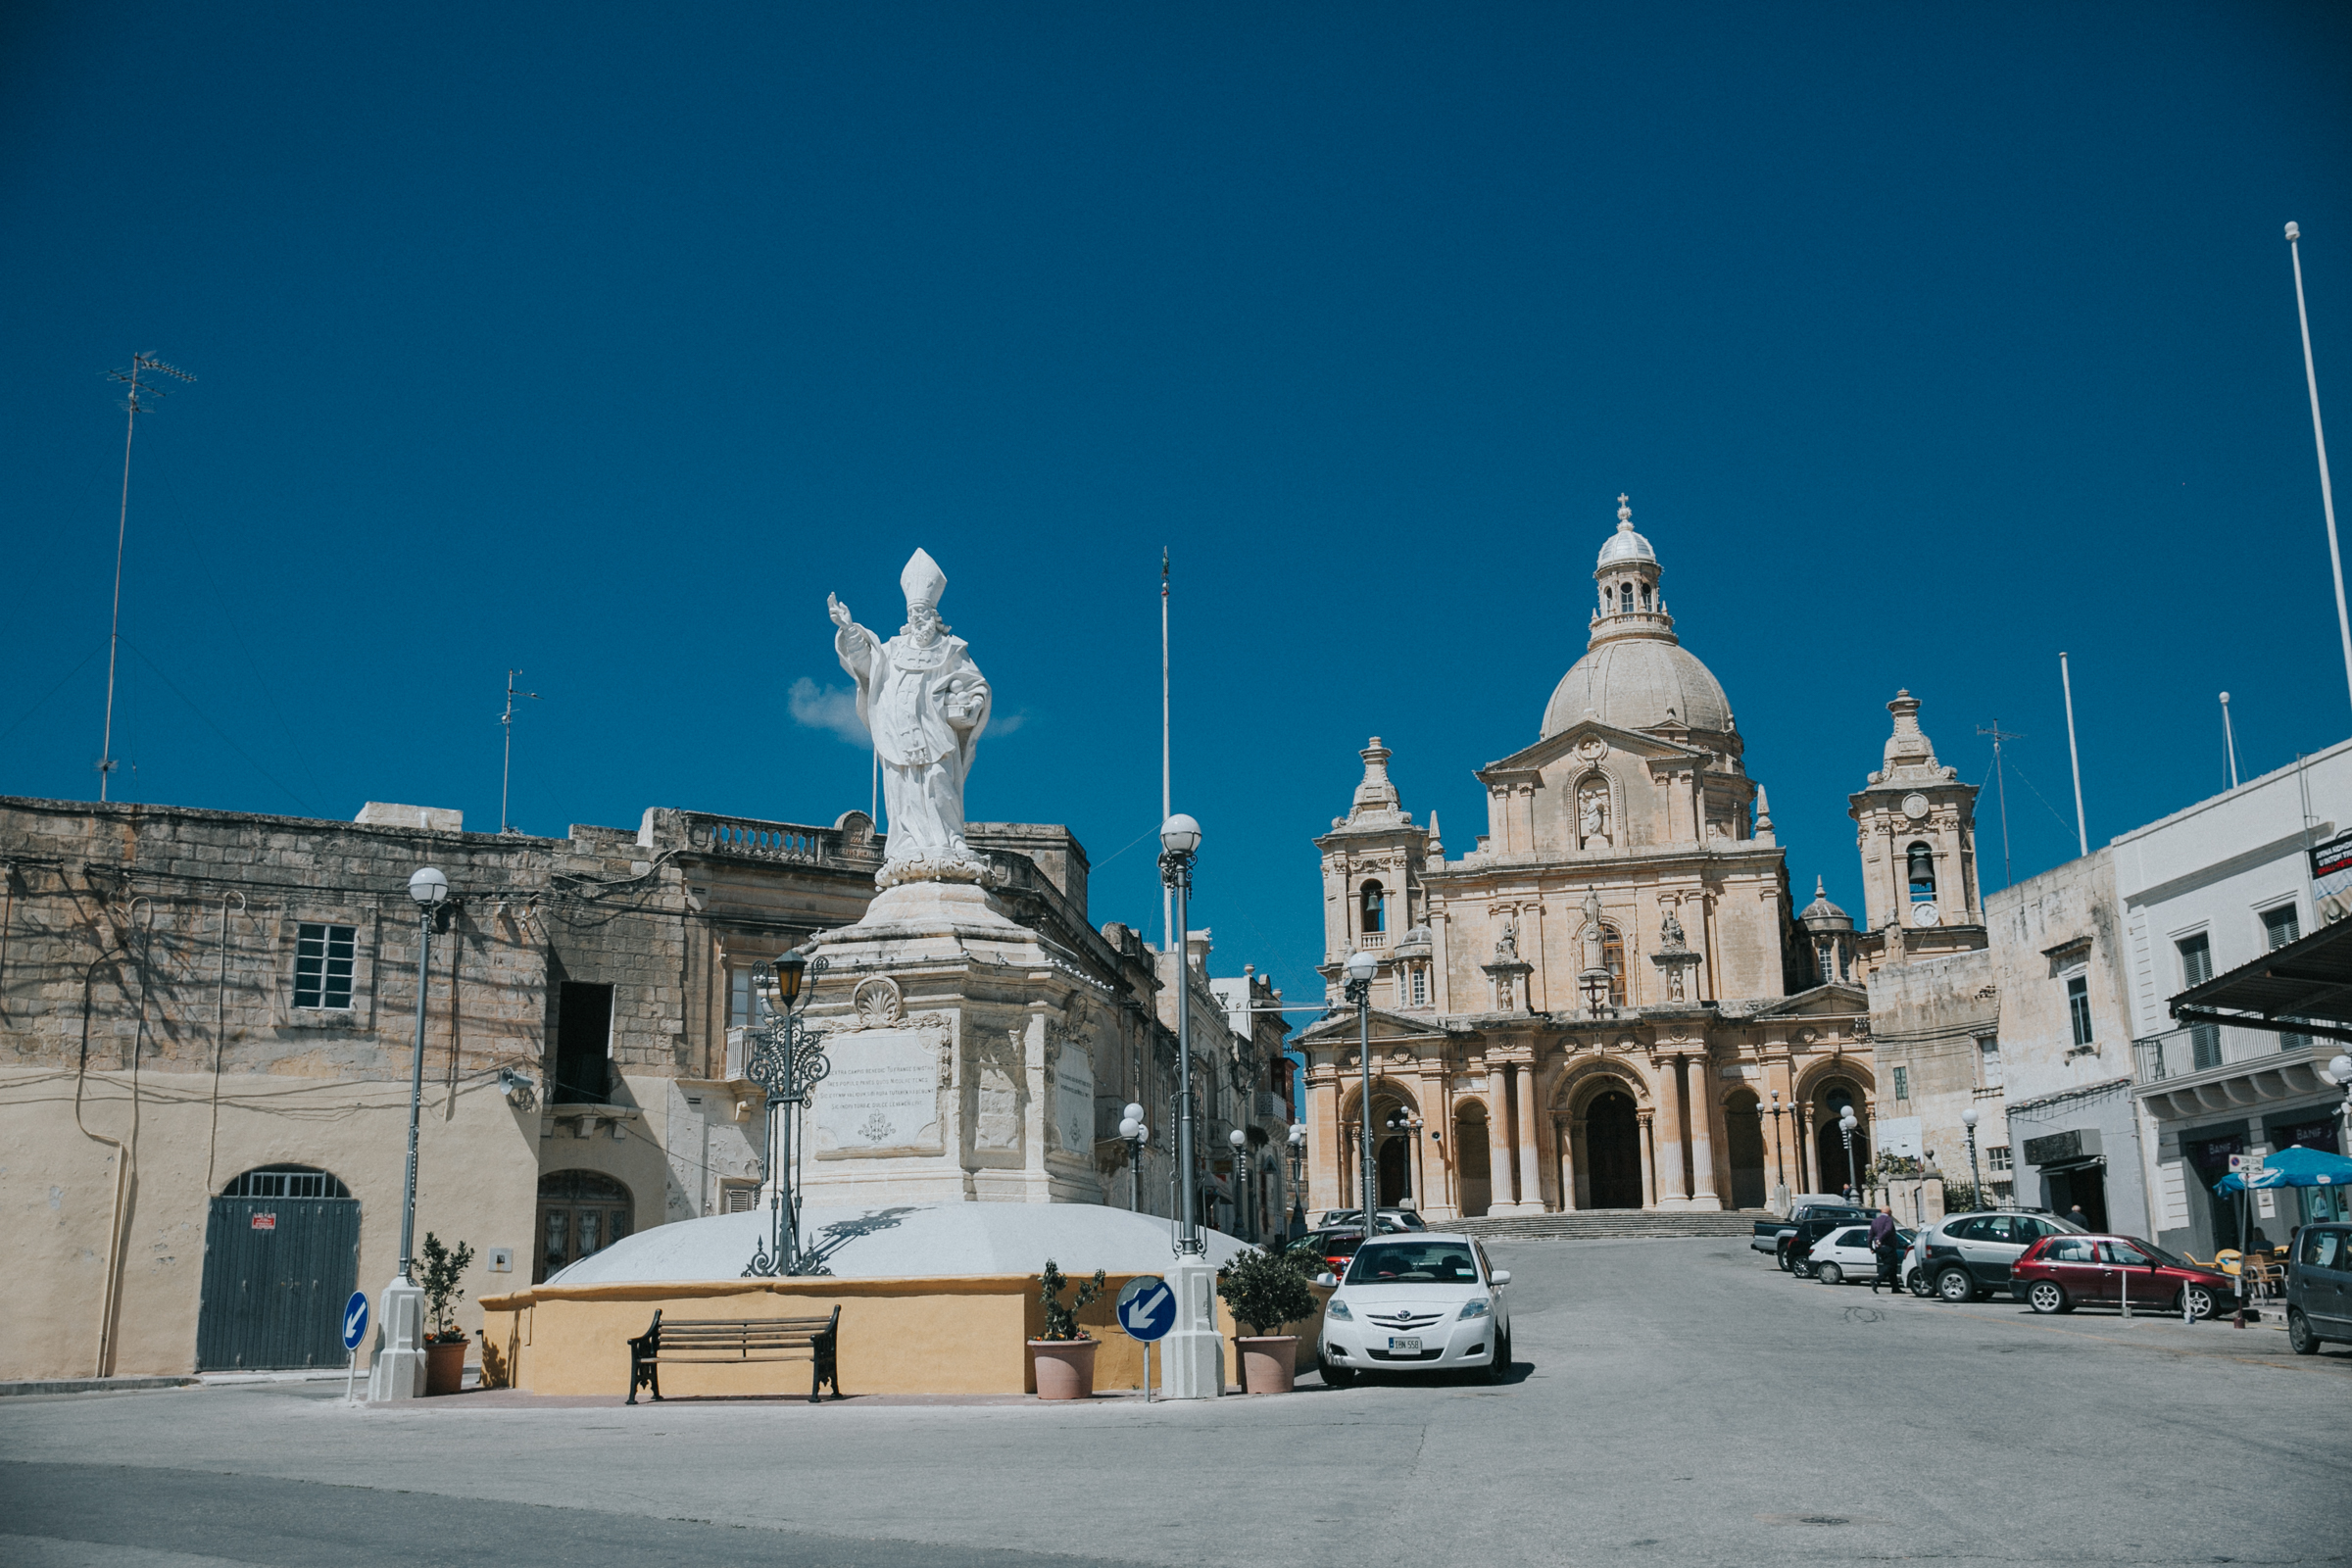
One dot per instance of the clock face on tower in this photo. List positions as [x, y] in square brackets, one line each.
[1924, 914]
[1915, 807]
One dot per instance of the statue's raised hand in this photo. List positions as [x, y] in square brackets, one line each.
[839, 612]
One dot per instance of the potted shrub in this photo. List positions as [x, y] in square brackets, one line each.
[1065, 1354]
[445, 1345]
[1265, 1291]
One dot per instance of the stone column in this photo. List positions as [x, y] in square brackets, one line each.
[1649, 1160]
[1671, 1193]
[1324, 1151]
[1704, 1109]
[1531, 1154]
[1802, 1126]
[1563, 1139]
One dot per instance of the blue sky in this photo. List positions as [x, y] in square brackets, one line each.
[605, 342]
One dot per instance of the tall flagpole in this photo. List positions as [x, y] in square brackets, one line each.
[1167, 896]
[2319, 437]
[2081, 827]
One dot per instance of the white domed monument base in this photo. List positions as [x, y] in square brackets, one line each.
[1192, 1355]
[397, 1371]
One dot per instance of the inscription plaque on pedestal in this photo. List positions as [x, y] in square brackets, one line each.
[1074, 1102]
[882, 1095]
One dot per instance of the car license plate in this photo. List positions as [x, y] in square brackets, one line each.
[1399, 1343]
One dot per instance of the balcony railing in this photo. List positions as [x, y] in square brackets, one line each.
[754, 839]
[2204, 1047]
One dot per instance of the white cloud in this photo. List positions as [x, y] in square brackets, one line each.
[1000, 725]
[829, 707]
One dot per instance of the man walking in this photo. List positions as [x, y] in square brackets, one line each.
[1888, 1250]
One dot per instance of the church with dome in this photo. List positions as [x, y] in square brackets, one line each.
[1611, 1001]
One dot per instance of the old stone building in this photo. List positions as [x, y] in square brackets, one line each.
[205, 1027]
[1608, 1003]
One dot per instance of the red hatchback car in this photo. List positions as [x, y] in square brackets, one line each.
[2060, 1273]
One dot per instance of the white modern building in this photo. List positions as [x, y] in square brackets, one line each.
[2202, 892]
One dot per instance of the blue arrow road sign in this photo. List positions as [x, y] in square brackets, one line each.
[355, 1319]
[1147, 1307]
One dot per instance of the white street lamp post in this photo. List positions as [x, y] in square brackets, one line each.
[397, 1371]
[1853, 1177]
[1239, 1142]
[1194, 1364]
[2340, 1069]
[1132, 1128]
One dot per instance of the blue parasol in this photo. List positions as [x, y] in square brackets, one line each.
[2294, 1168]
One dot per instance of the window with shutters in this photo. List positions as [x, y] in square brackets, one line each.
[323, 962]
[2197, 967]
[1902, 1082]
[1989, 1063]
[2279, 926]
[2077, 1006]
[1420, 986]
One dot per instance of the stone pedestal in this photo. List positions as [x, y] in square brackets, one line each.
[398, 1370]
[963, 1049]
[1192, 1355]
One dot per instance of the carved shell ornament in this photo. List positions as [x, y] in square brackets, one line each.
[879, 1001]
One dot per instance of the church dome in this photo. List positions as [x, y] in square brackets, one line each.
[1823, 915]
[1634, 674]
[1638, 683]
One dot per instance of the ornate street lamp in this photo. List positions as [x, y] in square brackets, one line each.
[1239, 1142]
[1179, 837]
[1132, 1129]
[430, 889]
[1853, 1177]
[1359, 968]
[1967, 1124]
[1298, 1145]
[789, 1061]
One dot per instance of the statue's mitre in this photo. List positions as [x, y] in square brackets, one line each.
[922, 580]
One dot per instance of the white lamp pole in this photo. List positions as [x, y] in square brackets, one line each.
[1179, 837]
[397, 1371]
[2319, 437]
[1132, 1128]
[1853, 1177]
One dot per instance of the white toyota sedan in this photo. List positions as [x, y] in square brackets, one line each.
[1431, 1302]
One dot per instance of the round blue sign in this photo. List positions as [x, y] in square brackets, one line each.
[1147, 1307]
[355, 1319]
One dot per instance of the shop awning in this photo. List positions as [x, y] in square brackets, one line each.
[2304, 988]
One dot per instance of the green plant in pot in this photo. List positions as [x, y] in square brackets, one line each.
[1066, 1352]
[445, 1344]
[1264, 1290]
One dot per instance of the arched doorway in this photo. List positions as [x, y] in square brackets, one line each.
[1471, 1161]
[1829, 1139]
[1744, 1148]
[1396, 1174]
[281, 1254]
[1613, 1150]
[580, 1212]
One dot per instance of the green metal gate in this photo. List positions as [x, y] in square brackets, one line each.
[277, 1273]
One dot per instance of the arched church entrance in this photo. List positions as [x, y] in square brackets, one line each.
[1472, 1165]
[1829, 1139]
[1744, 1139]
[1396, 1176]
[1613, 1150]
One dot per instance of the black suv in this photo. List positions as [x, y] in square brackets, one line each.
[1796, 1246]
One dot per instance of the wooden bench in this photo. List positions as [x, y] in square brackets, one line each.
[734, 1341]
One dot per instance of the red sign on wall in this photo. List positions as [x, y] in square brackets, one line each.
[264, 1222]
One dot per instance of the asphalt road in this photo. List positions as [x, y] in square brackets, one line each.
[1675, 1402]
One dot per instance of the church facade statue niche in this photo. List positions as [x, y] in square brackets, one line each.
[1592, 815]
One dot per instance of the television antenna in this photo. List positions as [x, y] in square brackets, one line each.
[2001, 785]
[146, 390]
[506, 767]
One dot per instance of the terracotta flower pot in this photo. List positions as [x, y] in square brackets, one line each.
[1269, 1362]
[444, 1368]
[1065, 1368]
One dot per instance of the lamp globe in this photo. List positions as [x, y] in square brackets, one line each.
[1361, 966]
[1180, 834]
[428, 887]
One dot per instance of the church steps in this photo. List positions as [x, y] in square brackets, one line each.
[1601, 1224]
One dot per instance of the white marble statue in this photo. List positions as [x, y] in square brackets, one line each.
[924, 703]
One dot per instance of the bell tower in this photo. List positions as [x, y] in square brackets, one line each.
[1916, 828]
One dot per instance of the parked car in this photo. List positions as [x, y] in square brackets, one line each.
[1844, 1254]
[1427, 1302]
[1328, 1249]
[2059, 1273]
[1402, 1219]
[1796, 1242]
[2319, 1288]
[1808, 1205]
[1965, 1257]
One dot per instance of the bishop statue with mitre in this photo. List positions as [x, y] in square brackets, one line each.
[924, 703]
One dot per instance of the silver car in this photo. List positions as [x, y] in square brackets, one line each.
[1965, 1257]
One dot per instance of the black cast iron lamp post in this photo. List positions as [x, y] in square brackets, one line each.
[789, 1063]
[1359, 968]
[1967, 1124]
[430, 889]
[1137, 1134]
[1179, 837]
